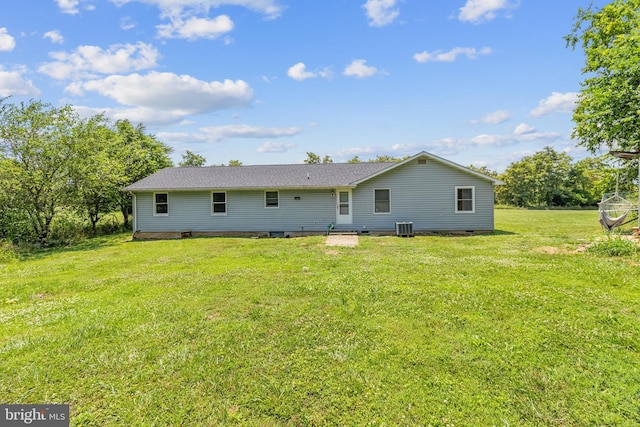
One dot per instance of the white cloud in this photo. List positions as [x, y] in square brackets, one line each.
[495, 117]
[14, 83]
[453, 146]
[476, 11]
[54, 36]
[381, 12]
[175, 8]
[357, 68]
[452, 55]
[89, 61]
[68, 6]
[127, 23]
[299, 72]
[181, 95]
[194, 28]
[523, 129]
[275, 147]
[556, 103]
[72, 7]
[248, 131]
[7, 42]
[216, 134]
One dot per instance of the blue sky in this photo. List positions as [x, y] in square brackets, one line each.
[482, 82]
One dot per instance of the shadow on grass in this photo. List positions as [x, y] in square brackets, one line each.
[27, 253]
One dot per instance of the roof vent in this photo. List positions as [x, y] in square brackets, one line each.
[422, 161]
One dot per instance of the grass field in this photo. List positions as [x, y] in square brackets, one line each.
[517, 328]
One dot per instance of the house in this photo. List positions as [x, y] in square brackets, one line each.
[426, 192]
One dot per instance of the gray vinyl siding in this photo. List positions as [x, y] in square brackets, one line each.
[425, 195]
[421, 193]
[191, 210]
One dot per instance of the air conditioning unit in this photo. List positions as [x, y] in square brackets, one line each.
[404, 229]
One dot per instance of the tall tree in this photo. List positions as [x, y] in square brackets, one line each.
[542, 179]
[191, 159]
[37, 141]
[98, 172]
[607, 113]
[312, 158]
[142, 154]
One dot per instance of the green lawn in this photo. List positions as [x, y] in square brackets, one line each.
[515, 328]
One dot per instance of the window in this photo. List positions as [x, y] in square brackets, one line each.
[271, 199]
[161, 204]
[219, 203]
[382, 201]
[465, 200]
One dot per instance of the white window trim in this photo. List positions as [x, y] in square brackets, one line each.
[473, 198]
[155, 204]
[225, 204]
[374, 202]
[265, 199]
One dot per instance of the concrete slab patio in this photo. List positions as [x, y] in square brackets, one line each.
[349, 240]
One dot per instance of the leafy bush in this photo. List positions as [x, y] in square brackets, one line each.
[614, 245]
[7, 252]
[67, 229]
[108, 224]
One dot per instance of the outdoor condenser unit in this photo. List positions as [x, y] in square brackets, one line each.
[404, 229]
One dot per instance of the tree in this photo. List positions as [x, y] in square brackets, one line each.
[484, 170]
[607, 113]
[98, 172]
[191, 159]
[387, 159]
[38, 144]
[543, 179]
[235, 163]
[141, 155]
[355, 159]
[314, 159]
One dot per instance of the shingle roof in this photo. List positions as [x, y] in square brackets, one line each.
[262, 176]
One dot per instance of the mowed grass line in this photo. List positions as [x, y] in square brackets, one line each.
[481, 330]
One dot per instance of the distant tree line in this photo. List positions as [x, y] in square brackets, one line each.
[552, 179]
[61, 174]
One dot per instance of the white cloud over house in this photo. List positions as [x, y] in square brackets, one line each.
[215, 134]
[165, 98]
[169, 91]
[452, 55]
[557, 102]
[381, 12]
[275, 147]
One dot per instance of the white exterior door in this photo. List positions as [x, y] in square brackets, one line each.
[343, 207]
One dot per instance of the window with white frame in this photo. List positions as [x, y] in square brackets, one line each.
[271, 199]
[218, 203]
[161, 204]
[465, 199]
[381, 201]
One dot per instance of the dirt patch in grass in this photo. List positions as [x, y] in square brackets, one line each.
[342, 240]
